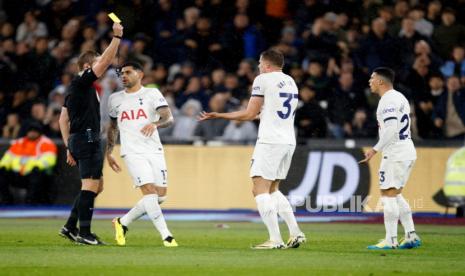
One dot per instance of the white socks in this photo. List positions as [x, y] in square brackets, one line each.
[285, 212]
[148, 204]
[268, 212]
[405, 216]
[136, 212]
[154, 213]
[391, 218]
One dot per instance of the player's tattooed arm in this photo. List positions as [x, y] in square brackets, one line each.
[166, 118]
[112, 135]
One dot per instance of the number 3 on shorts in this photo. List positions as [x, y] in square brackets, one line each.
[381, 176]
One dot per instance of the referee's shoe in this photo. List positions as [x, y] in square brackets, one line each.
[89, 239]
[69, 233]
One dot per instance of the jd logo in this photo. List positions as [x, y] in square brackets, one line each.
[326, 178]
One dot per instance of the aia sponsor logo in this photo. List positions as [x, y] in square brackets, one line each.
[133, 115]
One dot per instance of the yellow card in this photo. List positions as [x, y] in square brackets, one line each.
[114, 18]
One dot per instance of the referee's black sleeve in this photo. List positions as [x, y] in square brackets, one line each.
[87, 78]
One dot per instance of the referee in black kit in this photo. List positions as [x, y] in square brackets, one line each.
[80, 128]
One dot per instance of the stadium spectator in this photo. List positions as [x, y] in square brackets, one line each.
[20, 105]
[422, 26]
[290, 45]
[436, 87]
[408, 37]
[455, 66]
[27, 165]
[186, 122]
[213, 129]
[310, 118]
[433, 12]
[243, 132]
[448, 34]
[138, 52]
[231, 83]
[159, 74]
[422, 48]
[194, 91]
[7, 31]
[246, 73]
[401, 9]
[321, 42]
[41, 67]
[342, 105]
[30, 28]
[37, 116]
[307, 12]
[424, 106]
[240, 40]
[417, 79]
[297, 73]
[362, 126]
[218, 76]
[52, 126]
[12, 126]
[202, 44]
[450, 110]
[240, 132]
[3, 108]
[57, 95]
[378, 48]
[317, 79]
[103, 26]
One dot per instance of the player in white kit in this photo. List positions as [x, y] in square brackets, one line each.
[274, 97]
[137, 112]
[398, 158]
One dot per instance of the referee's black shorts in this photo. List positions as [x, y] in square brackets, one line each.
[88, 155]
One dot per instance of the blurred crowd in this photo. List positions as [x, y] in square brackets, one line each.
[202, 55]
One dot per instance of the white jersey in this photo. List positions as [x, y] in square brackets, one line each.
[394, 106]
[133, 111]
[278, 111]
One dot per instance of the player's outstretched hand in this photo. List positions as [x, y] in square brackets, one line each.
[148, 130]
[368, 155]
[112, 162]
[69, 159]
[207, 116]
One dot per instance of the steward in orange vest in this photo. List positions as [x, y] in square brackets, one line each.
[28, 163]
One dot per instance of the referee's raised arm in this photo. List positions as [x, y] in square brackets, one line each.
[109, 54]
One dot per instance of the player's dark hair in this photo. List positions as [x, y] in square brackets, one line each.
[86, 57]
[386, 73]
[274, 57]
[135, 65]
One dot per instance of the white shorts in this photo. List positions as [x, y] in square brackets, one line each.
[394, 174]
[147, 168]
[271, 161]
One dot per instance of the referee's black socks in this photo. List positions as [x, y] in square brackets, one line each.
[73, 216]
[85, 211]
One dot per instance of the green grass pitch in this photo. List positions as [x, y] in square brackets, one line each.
[33, 247]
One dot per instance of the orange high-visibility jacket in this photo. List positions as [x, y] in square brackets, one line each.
[24, 155]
